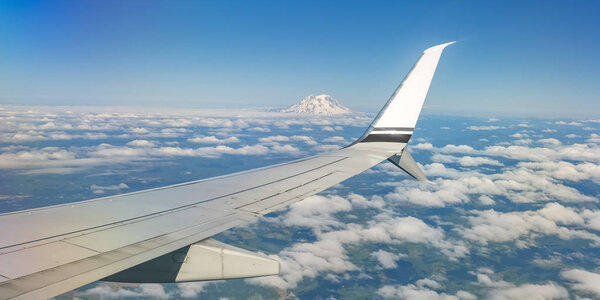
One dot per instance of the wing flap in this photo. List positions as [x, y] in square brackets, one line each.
[131, 233]
[65, 277]
[31, 260]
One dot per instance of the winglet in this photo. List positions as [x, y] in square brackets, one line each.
[397, 120]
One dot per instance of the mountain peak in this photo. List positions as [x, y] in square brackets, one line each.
[319, 105]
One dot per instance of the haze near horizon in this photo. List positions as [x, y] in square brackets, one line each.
[511, 58]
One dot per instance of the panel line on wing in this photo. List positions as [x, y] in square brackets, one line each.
[172, 209]
[287, 191]
[114, 197]
[71, 271]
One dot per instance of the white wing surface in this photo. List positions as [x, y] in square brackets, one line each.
[51, 250]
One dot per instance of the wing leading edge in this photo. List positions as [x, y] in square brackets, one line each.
[48, 251]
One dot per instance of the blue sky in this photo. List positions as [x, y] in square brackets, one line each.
[531, 58]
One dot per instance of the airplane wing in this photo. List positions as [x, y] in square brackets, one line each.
[163, 234]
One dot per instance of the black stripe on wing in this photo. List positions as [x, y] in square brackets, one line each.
[390, 138]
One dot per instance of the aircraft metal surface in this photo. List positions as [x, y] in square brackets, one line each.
[163, 234]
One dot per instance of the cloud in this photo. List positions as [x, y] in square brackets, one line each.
[287, 149]
[362, 202]
[551, 261]
[213, 140]
[316, 212]
[523, 141]
[463, 185]
[141, 143]
[561, 214]
[577, 152]
[328, 253]
[98, 189]
[531, 291]
[259, 129]
[565, 170]
[13, 197]
[303, 138]
[486, 200]
[422, 289]
[592, 218]
[192, 289]
[209, 152]
[33, 136]
[552, 152]
[23, 137]
[414, 230]
[306, 260]
[550, 141]
[386, 259]
[115, 290]
[502, 290]
[274, 138]
[458, 149]
[55, 160]
[178, 122]
[423, 146]
[594, 138]
[51, 170]
[573, 123]
[151, 126]
[35, 157]
[523, 227]
[519, 135]
[393, 230]
[467, 161]
[215, 122]
[537, 178]
[583, 280]
[139, 130]
[480, 128]
[335, 139]
[54, 126]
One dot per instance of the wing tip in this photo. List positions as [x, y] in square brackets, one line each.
[439, 47]
[396, 123]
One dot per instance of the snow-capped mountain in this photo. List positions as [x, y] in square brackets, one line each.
[319, 105]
